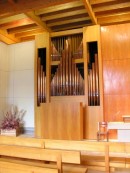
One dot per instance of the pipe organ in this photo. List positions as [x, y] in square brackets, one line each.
[67, 69]
[67, 76]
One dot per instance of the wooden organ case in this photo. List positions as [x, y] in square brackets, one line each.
[69, 85]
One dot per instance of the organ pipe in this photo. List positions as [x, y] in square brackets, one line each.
[67, 79]
[41, 83]
[58, 45]
[93, 83]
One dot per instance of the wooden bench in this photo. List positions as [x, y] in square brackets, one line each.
[8, 167]
[24, 142]
[102, 156]
[35, 153]
[66, 155]
[90, 151]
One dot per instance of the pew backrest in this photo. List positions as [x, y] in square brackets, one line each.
[21, 141]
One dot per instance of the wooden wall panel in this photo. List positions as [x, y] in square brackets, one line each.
[116, 76]
[115, 106]
[115, 41]
[62, 120]
[116, 70]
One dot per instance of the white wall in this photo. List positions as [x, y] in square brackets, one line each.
[3, 77]
[18, 73]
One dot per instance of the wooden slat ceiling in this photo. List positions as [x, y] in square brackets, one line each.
[21, 20]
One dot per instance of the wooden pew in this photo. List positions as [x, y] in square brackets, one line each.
[66, 168]
[93, 154]
[117, 154]
[36, 153]
[8, 167]
[38, 143]
[102, 156]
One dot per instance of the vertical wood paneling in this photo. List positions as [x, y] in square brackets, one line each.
[116, 76]
[115, 41]
[62, 120]
[116, 70]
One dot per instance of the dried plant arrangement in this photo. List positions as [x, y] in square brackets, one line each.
[12, 121]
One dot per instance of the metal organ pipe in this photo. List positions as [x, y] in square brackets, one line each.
[41, 83]
[68, 77]
[93, 83]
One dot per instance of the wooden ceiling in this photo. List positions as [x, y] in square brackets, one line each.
[21, 20]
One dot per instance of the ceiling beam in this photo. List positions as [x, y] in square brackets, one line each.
[61, 15]
[68, 27]
[28, 33]
[55, 8]
[12, 18]
[68, 21]
[68, 32]
[21, 22]
[23, 29]
[23, 6]
[112, 7]
[90, 11]
[28, 38]
[38, 21]
[93, 2]
[118, 18]
[8, 38]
